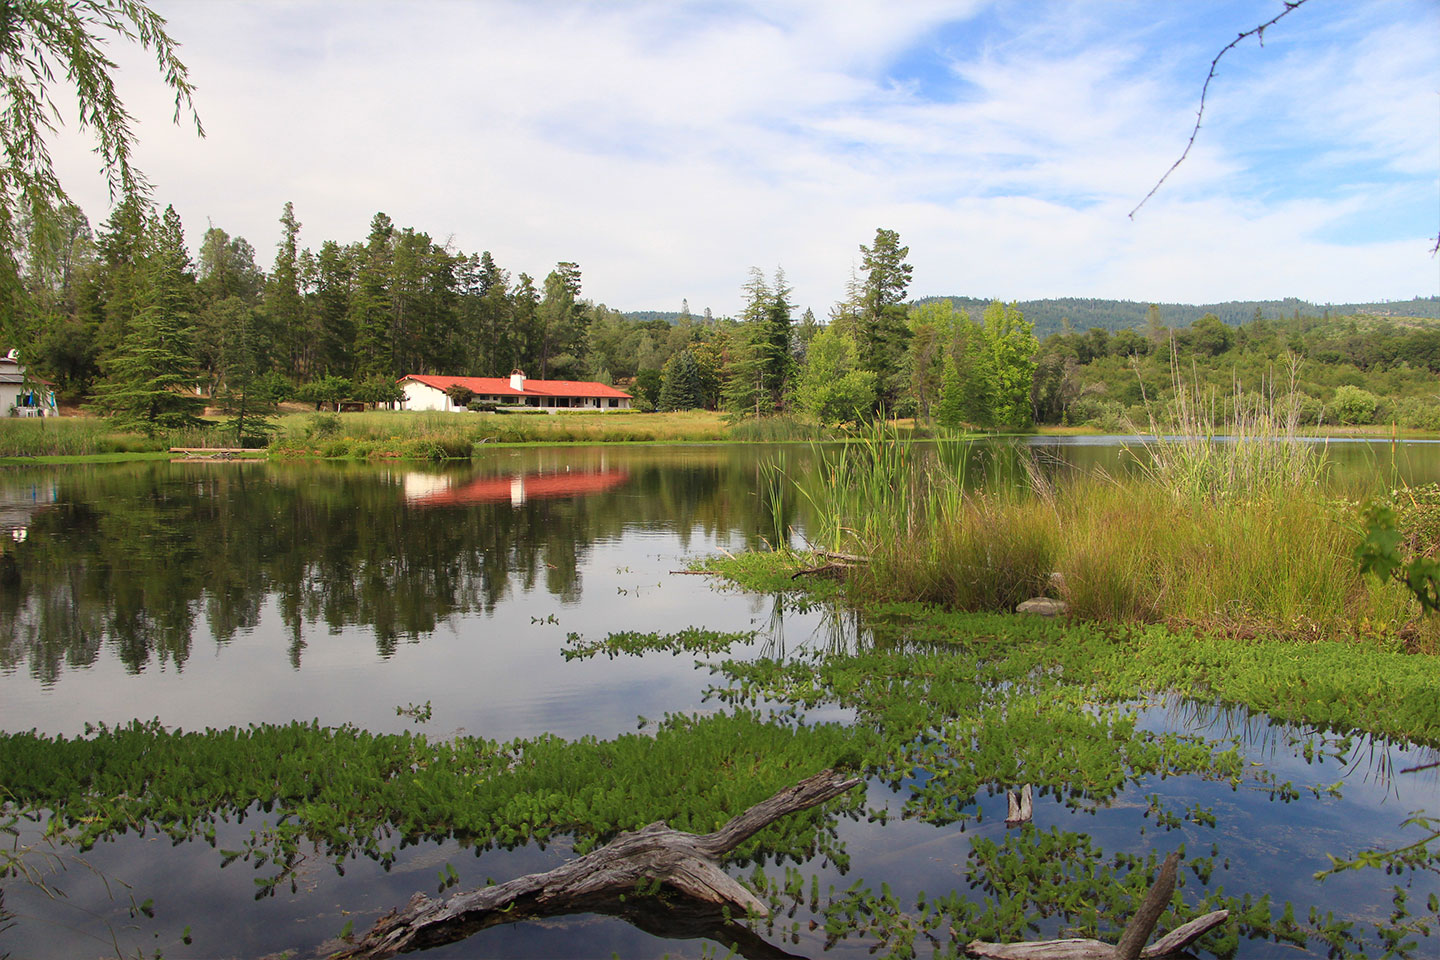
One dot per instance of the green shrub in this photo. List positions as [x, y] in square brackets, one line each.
[1353, 405]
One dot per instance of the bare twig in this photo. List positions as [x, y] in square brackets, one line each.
[1259, 32]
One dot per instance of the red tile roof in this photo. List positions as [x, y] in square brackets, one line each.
[500, 386]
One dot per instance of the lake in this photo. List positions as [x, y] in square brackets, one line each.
[442, 600]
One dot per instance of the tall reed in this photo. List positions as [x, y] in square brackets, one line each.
[1260, 455]
[939, 528]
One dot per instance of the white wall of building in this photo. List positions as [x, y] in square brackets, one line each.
[420, 396]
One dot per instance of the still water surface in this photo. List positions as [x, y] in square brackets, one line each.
[209, 595]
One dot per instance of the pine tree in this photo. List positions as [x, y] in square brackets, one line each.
[880, 317]
[336, 328]
[761, 364]
[561, 321]
[150, 380]
[294, 344]
[371, 312]
[524, 329]
[681, 387]
[246, 394]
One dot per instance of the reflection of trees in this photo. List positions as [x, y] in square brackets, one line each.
[140, 556]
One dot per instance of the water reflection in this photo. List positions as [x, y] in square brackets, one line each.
[139, 557]
[431, 490]
[142, 558]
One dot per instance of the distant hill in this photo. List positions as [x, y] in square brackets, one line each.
[1113, 315]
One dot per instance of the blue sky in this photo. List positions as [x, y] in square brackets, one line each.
[667, 147]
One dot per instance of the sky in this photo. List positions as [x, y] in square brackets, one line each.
[667, 147]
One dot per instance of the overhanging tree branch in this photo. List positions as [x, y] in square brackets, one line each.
[1258, 32]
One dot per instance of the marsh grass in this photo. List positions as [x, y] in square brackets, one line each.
[440, 435]
[1257, 544]
[92, 436]
[1262, 453]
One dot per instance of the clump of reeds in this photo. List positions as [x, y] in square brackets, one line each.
[1259, 455]
[66, 437]
[1256, 544]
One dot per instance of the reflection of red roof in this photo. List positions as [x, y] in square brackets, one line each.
[531, 486]
[500, 386]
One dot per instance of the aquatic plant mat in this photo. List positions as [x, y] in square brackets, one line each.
[1132, 733]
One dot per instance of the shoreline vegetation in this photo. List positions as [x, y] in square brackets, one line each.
[421, 436]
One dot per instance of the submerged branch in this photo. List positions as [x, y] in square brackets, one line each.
[654, 856]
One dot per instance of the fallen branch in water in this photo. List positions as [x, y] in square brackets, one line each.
[1137, 931]
[834, 570]
[598, 882]
[845, 557]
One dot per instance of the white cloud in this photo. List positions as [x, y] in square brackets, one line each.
[668, 147]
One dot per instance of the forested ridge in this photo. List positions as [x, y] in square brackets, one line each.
[122, 318]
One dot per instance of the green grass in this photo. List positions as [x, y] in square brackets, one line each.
[94, 438]
[1242, 537]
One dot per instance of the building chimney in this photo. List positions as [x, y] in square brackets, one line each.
[517, 380]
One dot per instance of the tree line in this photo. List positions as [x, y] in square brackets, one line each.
[1336, 370]
[123, 317]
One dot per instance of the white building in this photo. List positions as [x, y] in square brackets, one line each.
[22, 398]
[426, 392]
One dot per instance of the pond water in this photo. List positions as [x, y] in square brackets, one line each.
[218, 594]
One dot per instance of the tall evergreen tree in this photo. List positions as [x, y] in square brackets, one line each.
[524, 328]
[881, 313]
[762, 360]
[371, 311]
[150, 380]
[681, 387]
[336, 328]
[122, 244]
[245, 394]
[561, 322]
[294, 343]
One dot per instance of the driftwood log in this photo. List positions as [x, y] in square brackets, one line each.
[685, 863]
[1132, 941]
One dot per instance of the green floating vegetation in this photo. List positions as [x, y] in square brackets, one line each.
[1032, 880]
[633, 643]
[353, 792]
[1375, 687]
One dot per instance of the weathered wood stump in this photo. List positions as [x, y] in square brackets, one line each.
[686, 863]
[1137, 931]
[1019, 806]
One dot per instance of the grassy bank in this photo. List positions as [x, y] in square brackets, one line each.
[435, 435]
[1243, 538]
[94, 437]
[416, 435]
